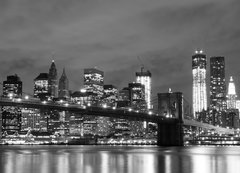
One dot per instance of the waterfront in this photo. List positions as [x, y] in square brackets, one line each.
[121, 159]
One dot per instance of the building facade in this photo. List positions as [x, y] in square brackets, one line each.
[144, 77]
[199, 63]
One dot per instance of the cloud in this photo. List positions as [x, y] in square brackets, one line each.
[112, 34]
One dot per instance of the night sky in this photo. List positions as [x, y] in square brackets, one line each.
[111, 34]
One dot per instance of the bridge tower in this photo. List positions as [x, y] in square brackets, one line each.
[170, 132]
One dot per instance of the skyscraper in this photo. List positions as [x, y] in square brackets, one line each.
[217, 91]
[144, 77]
[41, 86]
[199, 64]
[93, 83]
[231, 96]
[217, 84]
[137, 96]
[52, 81]
[11, 116]
[63, 86]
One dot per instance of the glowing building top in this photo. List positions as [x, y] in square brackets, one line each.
[199, 64]
[231, 96]
[144, 77]
[231, 87]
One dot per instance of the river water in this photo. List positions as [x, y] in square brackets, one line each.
[118, 159]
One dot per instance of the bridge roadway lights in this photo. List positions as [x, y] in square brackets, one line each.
[170, 133]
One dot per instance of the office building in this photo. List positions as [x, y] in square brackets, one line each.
[11, 116]
[93, 83]
[199, 63]
[30, 119]
[144, 77]
[110, 95]
[41, 86]
[137, 96]
[217, 84]
[12, 87]
[217, 90]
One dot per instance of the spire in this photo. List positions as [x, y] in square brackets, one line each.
[63, 74]
[231, 87]
[63, 86]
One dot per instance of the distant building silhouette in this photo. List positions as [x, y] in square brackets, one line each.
[52, 81]
[63, 86]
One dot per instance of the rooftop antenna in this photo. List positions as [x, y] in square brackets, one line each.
[142, 66]
[52, 56]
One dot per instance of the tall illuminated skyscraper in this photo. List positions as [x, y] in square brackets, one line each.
[231, 96]
[52, 80]
[217, 84]
[199, 64]
[144, 77]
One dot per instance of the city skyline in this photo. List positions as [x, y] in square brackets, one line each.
[80, 35]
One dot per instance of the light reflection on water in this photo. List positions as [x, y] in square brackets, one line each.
[118, 159]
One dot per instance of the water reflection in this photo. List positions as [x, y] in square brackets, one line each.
[99, 159]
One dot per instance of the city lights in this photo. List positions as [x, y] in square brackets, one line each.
[199, 83]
